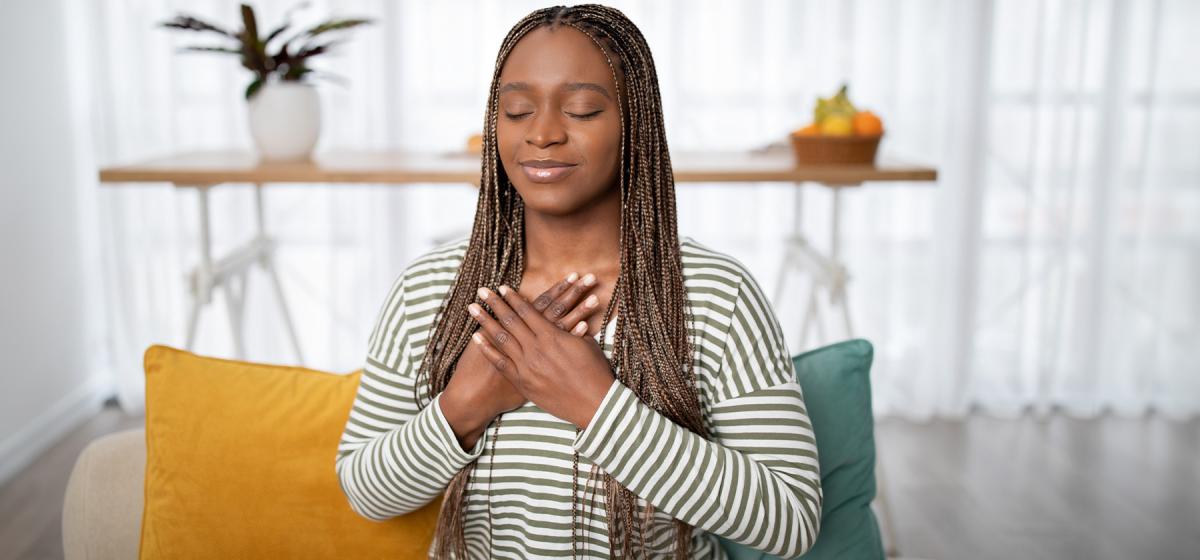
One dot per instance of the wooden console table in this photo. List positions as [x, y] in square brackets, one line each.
[203, 170]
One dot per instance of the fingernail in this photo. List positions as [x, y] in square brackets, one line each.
[483, 293]
[589, 279]
[591, 301]
[573, 277]
[478, 339]
[474, 309]
[503, 290]
[581, 327]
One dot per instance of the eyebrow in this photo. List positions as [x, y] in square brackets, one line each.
[569, 86]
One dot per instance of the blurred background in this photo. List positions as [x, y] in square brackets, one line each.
[1039, 302]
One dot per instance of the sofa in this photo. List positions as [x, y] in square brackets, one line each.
[105, 495]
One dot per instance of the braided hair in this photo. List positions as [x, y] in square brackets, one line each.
[652, 353]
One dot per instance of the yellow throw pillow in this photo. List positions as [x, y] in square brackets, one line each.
[240, 464]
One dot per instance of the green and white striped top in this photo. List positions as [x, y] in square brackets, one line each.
[755, 481]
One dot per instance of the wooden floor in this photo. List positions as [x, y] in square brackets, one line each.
[977, 489]
[31, 503]
[1057, 488]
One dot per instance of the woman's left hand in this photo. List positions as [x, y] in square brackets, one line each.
[564, 374]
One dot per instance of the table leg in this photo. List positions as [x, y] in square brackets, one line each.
[200, 282]
[838, 274]
[230, 273]
[790, 244]
[234, 307]
[193, 319]
[826, 271]
[812, 316]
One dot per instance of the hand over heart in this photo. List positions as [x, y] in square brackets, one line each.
[563, 374]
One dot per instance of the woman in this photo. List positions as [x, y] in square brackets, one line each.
[553, 430]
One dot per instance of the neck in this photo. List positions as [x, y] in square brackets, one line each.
[586, 241]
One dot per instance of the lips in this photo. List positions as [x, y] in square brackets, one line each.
[546, 171]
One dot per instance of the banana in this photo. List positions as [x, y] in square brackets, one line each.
[837, 105]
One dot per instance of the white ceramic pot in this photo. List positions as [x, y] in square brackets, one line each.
[285, 120]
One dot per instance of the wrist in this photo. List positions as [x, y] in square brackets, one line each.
[465, 420]
[596, 398]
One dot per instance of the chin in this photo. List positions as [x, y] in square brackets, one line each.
[550, 203]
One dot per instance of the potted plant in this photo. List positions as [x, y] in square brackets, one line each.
[283, 107]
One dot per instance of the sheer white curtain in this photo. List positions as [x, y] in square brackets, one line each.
[1055, 264]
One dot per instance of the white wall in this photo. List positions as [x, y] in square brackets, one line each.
[49, 381]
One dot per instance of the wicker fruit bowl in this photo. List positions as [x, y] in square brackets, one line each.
[835, 150]
[839, 134]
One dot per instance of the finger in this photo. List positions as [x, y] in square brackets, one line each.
[550, 296]
[503, 340]
[581, 312]
[491, 340]
[510, 319]
[580, 329]
[500, 362]
[558, 309]
[569, 299]
[566, 299]
[526, 314]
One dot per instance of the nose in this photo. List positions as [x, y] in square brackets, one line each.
[545, 129]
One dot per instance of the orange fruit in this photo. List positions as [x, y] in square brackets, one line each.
[810, 130]
[867, 124]
[475, 143]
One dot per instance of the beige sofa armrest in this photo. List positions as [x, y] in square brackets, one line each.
[102, 511]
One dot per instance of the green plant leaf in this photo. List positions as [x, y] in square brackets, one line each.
[289, 62]
[228, 50]
[253, 88]
[296, 72]
[281, 58]
[249, 22]
[185, 22]
[254, 55]
[336, 25]
[275, 33]
[314, 50]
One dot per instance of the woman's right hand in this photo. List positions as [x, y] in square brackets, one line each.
[477, 393]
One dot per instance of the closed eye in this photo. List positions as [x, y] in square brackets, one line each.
[520, 116]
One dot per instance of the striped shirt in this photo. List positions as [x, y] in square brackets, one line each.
[754, 481]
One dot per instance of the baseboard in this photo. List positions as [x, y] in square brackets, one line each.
[44, 430]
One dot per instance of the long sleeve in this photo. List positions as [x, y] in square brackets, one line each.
[395, 457]
[757, 481]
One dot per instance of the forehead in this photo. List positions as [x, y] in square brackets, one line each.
[545, 60]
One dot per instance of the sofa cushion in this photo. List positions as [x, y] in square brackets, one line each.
[240, 464]
[837, 391]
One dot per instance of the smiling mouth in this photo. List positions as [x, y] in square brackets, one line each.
[547, 174]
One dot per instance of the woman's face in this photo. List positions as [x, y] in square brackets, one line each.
[558, 103]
